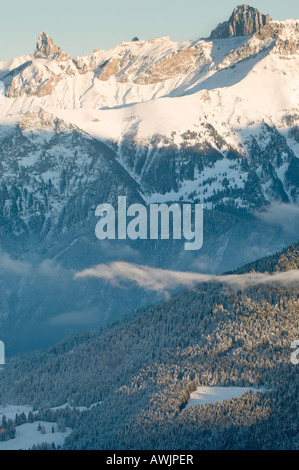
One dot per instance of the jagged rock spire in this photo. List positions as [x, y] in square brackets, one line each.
[244, 21]
[46, 47]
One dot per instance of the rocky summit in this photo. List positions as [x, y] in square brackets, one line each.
[46, 47]
[244, 21]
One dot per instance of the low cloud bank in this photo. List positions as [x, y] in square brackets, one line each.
[162, 280]
[282, 215]
[46, 268]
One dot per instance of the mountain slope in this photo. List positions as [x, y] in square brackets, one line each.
[144, 368]
[250, 81]
[283, 261]
[212, 121]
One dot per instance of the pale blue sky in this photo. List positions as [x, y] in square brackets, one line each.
[81, 26]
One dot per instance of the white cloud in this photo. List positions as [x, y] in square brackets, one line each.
[47, 268]
[9, 265]
[160, 280]
[282, 215]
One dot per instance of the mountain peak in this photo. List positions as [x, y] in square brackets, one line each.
[244, 21]
[46, 47]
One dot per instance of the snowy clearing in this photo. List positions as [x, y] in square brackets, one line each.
[205, 395]
[28, 436]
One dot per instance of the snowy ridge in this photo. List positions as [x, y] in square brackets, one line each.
[170, 95]
[136, 71]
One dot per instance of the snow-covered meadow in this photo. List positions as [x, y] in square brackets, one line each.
[28, 434]
[206, 395]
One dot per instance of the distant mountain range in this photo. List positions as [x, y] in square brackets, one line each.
[212, 121]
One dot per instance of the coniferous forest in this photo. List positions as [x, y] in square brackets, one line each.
[139, 373]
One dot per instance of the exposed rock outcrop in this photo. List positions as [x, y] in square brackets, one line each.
[244, 21]
[46, 47]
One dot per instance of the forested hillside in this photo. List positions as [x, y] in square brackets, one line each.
[143, 369]
[280, 262]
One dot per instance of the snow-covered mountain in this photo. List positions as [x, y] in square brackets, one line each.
[177, 114]
[213, 121]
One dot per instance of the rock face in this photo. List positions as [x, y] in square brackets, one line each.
[244, 21]
[46, 47]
